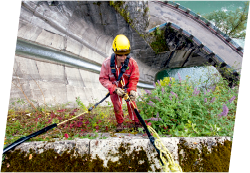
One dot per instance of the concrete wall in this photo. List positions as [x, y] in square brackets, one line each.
[136, 13]
[114, 149]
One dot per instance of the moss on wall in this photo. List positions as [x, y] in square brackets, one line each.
[97, 3]
[190, 159]
[156, 39]
[146, 10]
[158, 43]
[216, 160]
[50, 161]
[118, 6]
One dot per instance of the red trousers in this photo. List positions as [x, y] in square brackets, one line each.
[117, 103]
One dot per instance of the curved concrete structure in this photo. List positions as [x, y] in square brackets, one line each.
[160, 12]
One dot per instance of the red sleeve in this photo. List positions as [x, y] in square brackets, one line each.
[134, 77]
[104, 76]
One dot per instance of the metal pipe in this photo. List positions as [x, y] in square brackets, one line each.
[38, 52]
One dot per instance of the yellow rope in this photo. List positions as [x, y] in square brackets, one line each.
[71, 118]
[166, 157]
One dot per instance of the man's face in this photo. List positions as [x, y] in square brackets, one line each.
[121, 58]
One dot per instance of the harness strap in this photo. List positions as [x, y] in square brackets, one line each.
[123, 69]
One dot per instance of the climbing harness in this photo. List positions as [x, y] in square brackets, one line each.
[166, 158]
[123, 69]
[113, 71]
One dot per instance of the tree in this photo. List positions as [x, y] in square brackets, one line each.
[232, 23]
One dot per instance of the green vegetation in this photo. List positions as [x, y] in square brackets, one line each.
[231, 23]
[146, 10]
[118, 6]
[159, 43]
[179, 108]
[22, 122]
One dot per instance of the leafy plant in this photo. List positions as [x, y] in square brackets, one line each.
[179, 108]
[80, 104]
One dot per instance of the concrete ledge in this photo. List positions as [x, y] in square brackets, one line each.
[113, 150]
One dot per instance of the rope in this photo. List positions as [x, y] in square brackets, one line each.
[165, 155]
[168, 162]
[72, 118]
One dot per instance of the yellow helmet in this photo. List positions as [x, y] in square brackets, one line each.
[121, 45]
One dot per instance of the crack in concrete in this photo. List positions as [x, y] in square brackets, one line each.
[81, 78]
[37, 68]
[89, 147]
[65, 39]
[65, 74]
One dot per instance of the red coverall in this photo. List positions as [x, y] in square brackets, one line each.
[108, 80]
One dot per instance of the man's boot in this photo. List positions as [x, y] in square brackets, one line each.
[119, 127]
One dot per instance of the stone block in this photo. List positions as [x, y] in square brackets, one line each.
[80, 146]
[73, 46]
[114, 150]
[50, 72]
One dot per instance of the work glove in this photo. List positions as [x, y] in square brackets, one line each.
[119, 92]
[133, 95]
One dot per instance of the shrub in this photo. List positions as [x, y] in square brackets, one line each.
[179, 108]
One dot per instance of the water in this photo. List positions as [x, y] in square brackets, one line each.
[196, 74]
[207, 6]
[202, 8]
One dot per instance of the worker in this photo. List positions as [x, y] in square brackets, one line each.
[111, 69]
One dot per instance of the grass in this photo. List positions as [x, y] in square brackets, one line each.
[22, 122]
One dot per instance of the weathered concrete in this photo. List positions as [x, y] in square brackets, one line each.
[161, 13]
[108, 149]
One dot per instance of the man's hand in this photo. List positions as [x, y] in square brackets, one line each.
[119, 92]
[133, 95]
